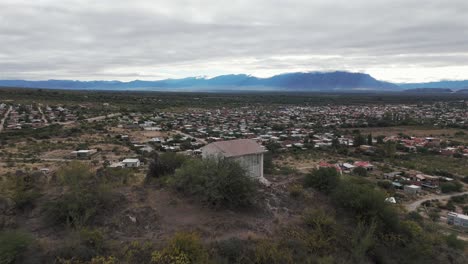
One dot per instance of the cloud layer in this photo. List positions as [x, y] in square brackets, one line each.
[399, 40]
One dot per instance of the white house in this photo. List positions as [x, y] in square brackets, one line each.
[245, 151]
[457, 219]
[131, 163]
[412, 189]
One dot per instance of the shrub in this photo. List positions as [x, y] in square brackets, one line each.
[270, 252]
[24, 191]
[219, 183]
[137, 252]
[360, 171]
[184, 248]
[115, 176]
[387, 185]
[366, 203]
[465, 179]
[233, 250]
[83, 199]
[323, 179]
[448, 187]
[453, 242]
[296, 191]
[165, 164]
[80, 246]
[12, 245]
[322, 230]
[78, 208]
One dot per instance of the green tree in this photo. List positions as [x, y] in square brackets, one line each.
[369, 139]
[322, 179]
[12, 246]
[360, 171]
[184, 248]
[359, 140]
[219, 183]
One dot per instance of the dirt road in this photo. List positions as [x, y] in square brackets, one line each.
[4, 118]
[414, 205]
[44, 119]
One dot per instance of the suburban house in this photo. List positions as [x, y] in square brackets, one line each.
[131, 163]
[245, 151]
[457, 219]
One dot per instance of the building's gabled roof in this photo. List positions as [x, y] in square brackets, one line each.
[235, 148]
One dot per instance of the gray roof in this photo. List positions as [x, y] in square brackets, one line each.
[235, 148]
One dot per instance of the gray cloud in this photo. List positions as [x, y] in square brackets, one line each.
[117, 39]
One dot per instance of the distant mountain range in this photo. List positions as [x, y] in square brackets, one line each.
[441, 84]
[300, 81]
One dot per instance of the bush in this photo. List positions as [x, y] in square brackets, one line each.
[164, 164]
[83, 199]
[296, 191]
[184, 248]
[387, 185]
[448, 187]
[453, 242]
[78, 208]
[115, 176]
[137, 252]
[219, 183]
[366, 203]
[12, 245]
[82, 245]
[360, 171]
[25, 191]
[323, 179]
[270, 252]
[233, 250]
[322, 230]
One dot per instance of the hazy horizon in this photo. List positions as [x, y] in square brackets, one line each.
[403, 41]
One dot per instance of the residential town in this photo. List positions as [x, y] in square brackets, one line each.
[416, 155]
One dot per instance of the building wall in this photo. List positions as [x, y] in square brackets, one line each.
[252, 163]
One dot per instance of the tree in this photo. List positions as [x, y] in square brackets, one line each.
[369, 139]
[184, 248]
[84, 197]
[335, 143]
[219, 183]
[390, 149]
[359, 140]
[448, 187]
[360, 171]
[165, 164]
[323, 179]
[12, 245]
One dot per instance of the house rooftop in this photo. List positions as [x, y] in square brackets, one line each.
[130, 160]
[238, 147]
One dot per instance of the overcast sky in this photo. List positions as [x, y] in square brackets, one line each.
[393, 40]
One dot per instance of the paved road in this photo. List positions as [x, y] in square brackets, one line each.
[414, 205]
[4, 118]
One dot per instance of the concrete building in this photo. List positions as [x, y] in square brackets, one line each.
[131, 163]
[245, 151]
[412, 189]
[457, 219]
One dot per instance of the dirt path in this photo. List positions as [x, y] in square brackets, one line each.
[97, 118]
[4, 118]
[187, 135]
[42, 115]
[414, 205]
